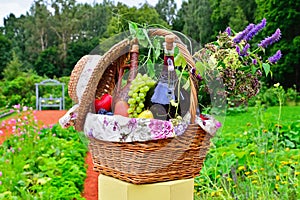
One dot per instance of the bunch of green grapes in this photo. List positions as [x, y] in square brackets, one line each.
[137, 93]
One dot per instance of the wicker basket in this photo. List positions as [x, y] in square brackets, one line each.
[140, 162]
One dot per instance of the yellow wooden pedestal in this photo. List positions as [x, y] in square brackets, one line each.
[113, 189]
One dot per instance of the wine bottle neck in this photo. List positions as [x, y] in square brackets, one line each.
[134, 56]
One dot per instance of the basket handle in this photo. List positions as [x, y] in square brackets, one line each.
[86, 102]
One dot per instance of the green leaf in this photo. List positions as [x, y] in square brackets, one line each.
[26, 166]
[133, 28]
[186, 85]
[43, 168]
[142, 38]
[62, 161]
[157, 47]
[178, 60]
[150, 67]
[176, 50]
[200, 68]
[267, 68]
[253, 68]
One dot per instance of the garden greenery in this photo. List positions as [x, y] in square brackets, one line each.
[256, 156]
[40, 163]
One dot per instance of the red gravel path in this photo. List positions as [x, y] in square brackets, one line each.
[48, 117]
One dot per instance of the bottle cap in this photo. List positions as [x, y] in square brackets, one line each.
[169, 39]
[135, 48]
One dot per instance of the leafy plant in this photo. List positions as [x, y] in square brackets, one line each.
[240, 64]
[41, 163]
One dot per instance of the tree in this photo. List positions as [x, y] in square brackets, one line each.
[47, 63]
[179, 22]
[238, 20]
[197, 20]
[167, 10]
[122, 15]
[225, 12]
[286, 16]
[13, 68]
[64, 23]
[5, 52]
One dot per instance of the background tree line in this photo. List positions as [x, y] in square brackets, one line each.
[55, 34]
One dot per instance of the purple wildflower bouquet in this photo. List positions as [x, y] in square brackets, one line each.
[239, 65]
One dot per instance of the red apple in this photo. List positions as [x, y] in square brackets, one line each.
[104, 102]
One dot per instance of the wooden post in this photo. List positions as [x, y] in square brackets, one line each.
[113, 189]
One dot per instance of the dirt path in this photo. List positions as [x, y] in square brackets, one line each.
[49, 117]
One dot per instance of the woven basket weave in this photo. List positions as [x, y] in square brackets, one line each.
[140, 162]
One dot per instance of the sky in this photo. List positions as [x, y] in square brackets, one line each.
[18, 7]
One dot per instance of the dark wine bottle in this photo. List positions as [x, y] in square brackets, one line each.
[164, 99]
[121, 97]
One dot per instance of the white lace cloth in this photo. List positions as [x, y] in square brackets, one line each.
[117, 128]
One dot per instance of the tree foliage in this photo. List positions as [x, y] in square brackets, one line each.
[167, 10]
[286, 16]
[54, 34]
[5, 52]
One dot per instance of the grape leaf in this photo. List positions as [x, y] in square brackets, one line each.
[133, 28]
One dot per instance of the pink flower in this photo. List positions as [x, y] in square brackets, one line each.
[17, 106]
[1, 132]
[0, 173]
[218, 124]
[25, 108]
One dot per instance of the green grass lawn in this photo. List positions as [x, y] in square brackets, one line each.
[239, 122]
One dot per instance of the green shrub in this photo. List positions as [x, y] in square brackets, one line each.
[47, 163]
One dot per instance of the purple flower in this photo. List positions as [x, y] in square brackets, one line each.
[193, 70]
[255, 30]
[270, 40]
[273, 59]
[242, 35]
[238, 50]
[228, 30]
[199, 77]
[254, 61]
[245, 50]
